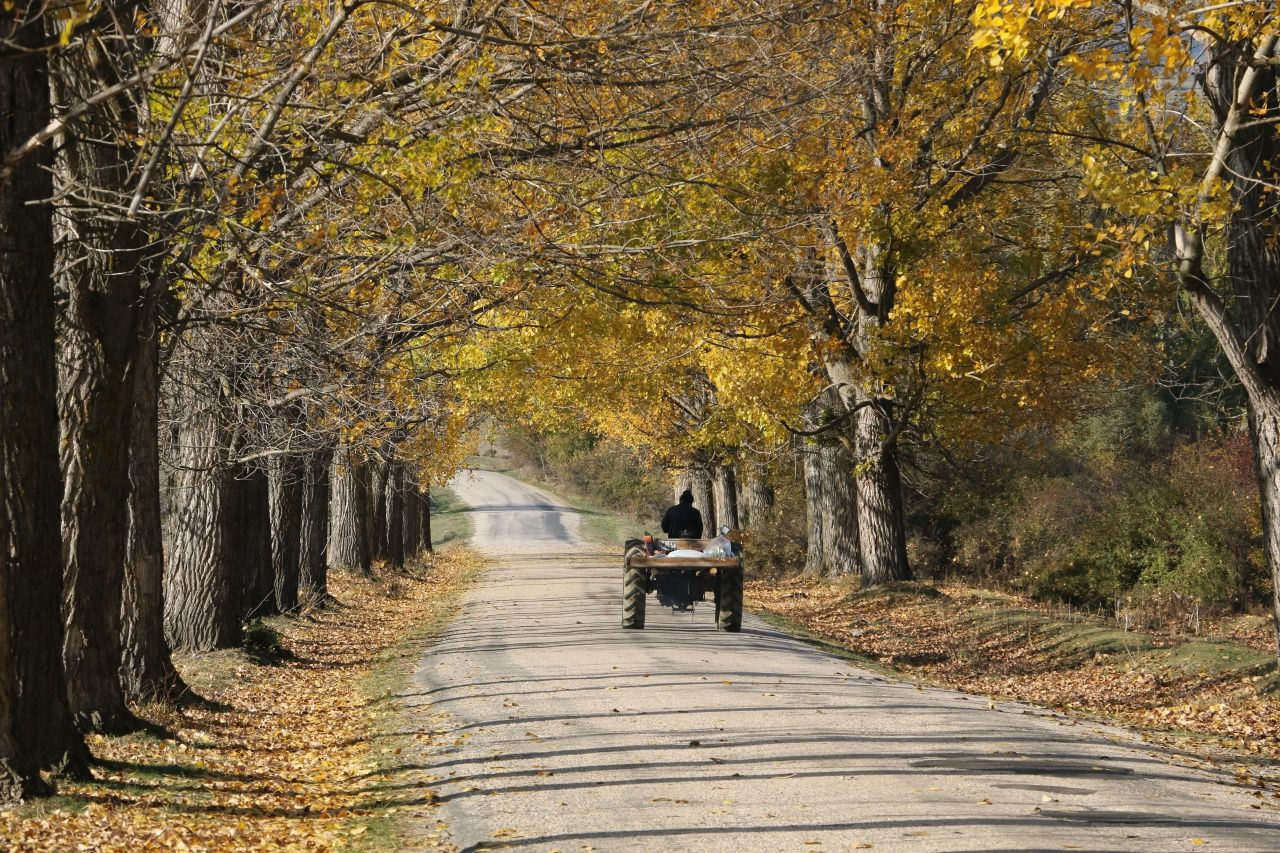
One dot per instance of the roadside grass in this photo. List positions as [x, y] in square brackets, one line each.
[1194, 692]
[403, 730]
[450, 521]
[305, 750]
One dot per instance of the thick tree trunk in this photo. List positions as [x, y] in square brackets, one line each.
[146, 667]
[19, 773]
[1264, 421]
[378, 473]
[882, 536]
[1243, 89]
[103, 261]
[285, 477]
[424, 501]
[840, 509]
[681, 483]
[703, 497]
[313, 533]
[814, 503]
[411, 512]
[882, 529]
[251, 541]
[201, 583]
[757, 495]
[348, 513]
[726, 499]
[39, 732]
[393, 498]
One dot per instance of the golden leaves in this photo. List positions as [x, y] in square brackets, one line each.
[288, 761]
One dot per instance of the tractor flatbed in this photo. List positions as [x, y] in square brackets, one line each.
[659, 562]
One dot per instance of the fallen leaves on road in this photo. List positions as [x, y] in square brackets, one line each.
[289, 758]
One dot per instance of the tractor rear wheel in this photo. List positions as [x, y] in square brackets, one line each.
[635, 587]
[729, 609]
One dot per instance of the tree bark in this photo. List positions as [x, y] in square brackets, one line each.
[757, 496]
[411, 525]
[703, 497]
[814, 501]
[251, 541]
[201, 584]
[393, 494]
[1264, 421]
[285, 476]
[348, 513]
[1242, 88]
[313, 534]
[378, 474]
[882, 525]
[146, 667]
[103, 260]
[882, 529]
[725, 499]
[424, 502]
[681, 483]
[33, 694]
[840, 509]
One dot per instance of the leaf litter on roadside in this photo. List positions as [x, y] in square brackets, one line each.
[287, 758]
[948, 636]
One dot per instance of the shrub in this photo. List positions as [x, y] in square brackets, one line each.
[262, 643]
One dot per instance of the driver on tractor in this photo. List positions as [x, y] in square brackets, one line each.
[683, 521]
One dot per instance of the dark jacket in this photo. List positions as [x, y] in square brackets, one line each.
[683, 521]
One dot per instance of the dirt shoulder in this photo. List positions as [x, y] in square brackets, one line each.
[1196, 693]
[304, 752]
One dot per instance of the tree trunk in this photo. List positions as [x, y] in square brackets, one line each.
[757, 496]
[882, 529]
[681, 484]
[348, 513]
[200, 583]
[394, 500]
[251, 542]
[103, 260]
[411, 525]
[726, 499]
[313, 533]
[146, 667]
[378, 474]
[285, 477]
[19, 773]
[703, 497]
[882, 538]
[424, 502]
[1242, 89]
[32, 687]
[840, 509]
[1264, 422]
[814, 503]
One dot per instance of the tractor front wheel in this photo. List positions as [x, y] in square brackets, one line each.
[635, 587]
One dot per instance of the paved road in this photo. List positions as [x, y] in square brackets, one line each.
[572, 734]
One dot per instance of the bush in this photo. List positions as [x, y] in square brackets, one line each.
[262, 644]
[1185, 527]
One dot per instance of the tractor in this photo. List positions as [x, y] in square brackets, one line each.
[680, 581]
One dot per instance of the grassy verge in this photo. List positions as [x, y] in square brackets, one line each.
[399, 784]
[1199, 692]
[450, 522]
[302, 752]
